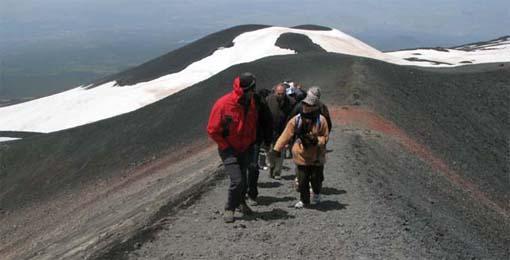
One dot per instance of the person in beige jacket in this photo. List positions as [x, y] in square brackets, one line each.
[309, 130]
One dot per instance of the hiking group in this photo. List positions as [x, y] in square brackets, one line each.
[246, 123]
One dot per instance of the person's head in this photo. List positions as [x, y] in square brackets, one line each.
[247, 82]
[310, 107]
[288, 82]
[279, 90]
[291, 91]
[264, 92]
[315, 90]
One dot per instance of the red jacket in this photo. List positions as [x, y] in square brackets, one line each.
[229, 126]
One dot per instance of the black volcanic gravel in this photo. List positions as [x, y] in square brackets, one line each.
[371, 208]
[391, 203]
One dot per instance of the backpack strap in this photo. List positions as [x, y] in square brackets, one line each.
[318, 121]
[297, 128]
[298, 123]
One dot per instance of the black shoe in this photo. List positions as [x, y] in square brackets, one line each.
[245, 209]
[251, 202]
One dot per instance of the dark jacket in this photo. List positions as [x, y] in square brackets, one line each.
[265, 121]
[300, 95]
[229, 125]
[323, 110]
[280, 113]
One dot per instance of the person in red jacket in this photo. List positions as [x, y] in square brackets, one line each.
[233, 126]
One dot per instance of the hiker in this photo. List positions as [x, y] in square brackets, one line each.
[323, 109]
[290, 90]
[280, 106]
[316, 91]
[310, 130]
[300, 93]
[264, 147]
[294, 91]
[233, 126]
[262, 143]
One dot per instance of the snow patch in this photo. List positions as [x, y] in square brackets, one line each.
[490, 52]
[81, 105]
[6, 139]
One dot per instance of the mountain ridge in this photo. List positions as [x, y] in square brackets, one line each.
[425, 104]
[427, 144]
[181, 68]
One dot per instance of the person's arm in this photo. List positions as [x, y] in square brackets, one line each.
[215, 127]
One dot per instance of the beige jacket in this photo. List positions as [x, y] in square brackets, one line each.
[313, 155]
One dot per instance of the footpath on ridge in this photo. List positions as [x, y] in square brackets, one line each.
[363, 214]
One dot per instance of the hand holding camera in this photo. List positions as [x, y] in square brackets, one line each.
[308, 140]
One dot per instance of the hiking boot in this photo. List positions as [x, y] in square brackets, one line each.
[228, 216]
[245, 209]
[299, 205]
[251, 202]
[316, 198]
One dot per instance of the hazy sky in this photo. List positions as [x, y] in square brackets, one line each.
[47, 46]
[408, 22]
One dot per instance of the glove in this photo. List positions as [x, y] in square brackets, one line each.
[277, 154]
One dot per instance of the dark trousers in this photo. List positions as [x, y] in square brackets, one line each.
[253, 173]
[236, 167]
[275, 162]
[306, 175]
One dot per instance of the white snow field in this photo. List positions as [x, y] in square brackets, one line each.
[80, 105]
[5, 139]
[496, 51]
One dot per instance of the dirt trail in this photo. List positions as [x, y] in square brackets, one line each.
[100, 214]
[369, 210]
